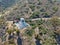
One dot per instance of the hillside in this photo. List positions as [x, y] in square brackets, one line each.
[29, 22]
[33, 9]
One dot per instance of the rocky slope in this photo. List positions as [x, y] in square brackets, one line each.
[33, 9]
[41, 32]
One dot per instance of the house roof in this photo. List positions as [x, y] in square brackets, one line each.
[21, 24]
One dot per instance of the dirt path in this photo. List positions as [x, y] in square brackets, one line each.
[42, 19]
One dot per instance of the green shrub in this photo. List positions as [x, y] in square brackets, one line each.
[42, 10]
[32, 7]
[29, 32]
[49, 41]
[55, 22]
[43, 30]
[35, 15]
[39, 22]
[55, 9]
[9, 31]
[46, 15]
[17, 31]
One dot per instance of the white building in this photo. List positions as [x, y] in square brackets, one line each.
[21, 24]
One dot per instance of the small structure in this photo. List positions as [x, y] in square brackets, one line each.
[21, 24]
